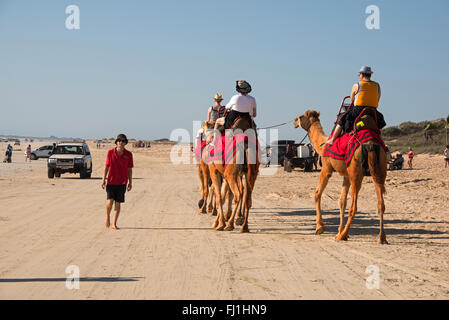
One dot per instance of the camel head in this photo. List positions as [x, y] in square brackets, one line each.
[305, 121]
[208, 129]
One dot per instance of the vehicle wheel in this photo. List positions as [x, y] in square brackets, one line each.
[58, 174]
[83, 173]
[33, 157]
[51, 173]
[308, 166]
[288, 166]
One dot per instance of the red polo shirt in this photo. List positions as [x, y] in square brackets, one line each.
[118, 166]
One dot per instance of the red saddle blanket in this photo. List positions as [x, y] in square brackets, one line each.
[344, 147]
[200, 144]
[226, 149]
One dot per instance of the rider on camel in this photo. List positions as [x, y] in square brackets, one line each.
[365, 93]
[241, 105]
[217, 110]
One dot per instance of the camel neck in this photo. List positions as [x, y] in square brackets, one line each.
[317, 137]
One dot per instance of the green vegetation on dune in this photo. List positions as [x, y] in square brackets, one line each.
[423, 137]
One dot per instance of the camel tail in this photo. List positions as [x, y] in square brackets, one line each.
[374, 165]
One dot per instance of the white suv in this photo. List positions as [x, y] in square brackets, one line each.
[42, 152]
[73, 157]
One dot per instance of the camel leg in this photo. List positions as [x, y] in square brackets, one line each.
[210, 206]
[202, 186]
[245, 207]
[239, 220]
[205, 189]
[253, 171]
[219, 223]
[233, 184]
[342, 202]
[326, 173]
[382, 239]
[356, 184]
[227, 196]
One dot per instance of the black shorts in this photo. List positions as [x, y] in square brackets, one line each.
[116, 192]
[233, 115]
[347, 119]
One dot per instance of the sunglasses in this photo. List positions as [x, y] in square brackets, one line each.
[125, 141]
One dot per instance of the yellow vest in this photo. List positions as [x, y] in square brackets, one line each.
[368, 94]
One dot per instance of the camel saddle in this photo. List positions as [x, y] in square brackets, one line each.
[344, 146]
[367, 120]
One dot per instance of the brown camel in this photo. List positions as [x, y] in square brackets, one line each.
[352, 174]
[207, 188]
[240, 179]
[207, 195]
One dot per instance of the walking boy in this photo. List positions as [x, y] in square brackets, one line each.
[118, 172]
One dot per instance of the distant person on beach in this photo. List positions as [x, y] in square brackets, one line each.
[28, 153]
[446, 156]
[411, 154]
[9, 153]
[118, 177]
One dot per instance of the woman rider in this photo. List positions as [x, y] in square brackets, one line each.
[217, 110]
[213, 113]
[365, 93]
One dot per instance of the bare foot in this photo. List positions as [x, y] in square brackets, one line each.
[108, 223]
[115, 228]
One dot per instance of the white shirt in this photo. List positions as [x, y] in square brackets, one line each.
[243, 103]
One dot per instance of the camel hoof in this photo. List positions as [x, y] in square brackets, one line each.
[382, 240]
[244, 230]
[210, 209]
[214, 213]
[239, 221]
[200, 203]
[319, 231]
[340, 237]
[219, 228]
[229, 228]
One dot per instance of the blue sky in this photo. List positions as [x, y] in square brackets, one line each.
[147, 67]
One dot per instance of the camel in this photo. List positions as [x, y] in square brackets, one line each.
[207, 189]
[204, 176]
[240, 179]
[352, 174]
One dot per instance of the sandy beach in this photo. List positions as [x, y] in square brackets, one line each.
[167, 250]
